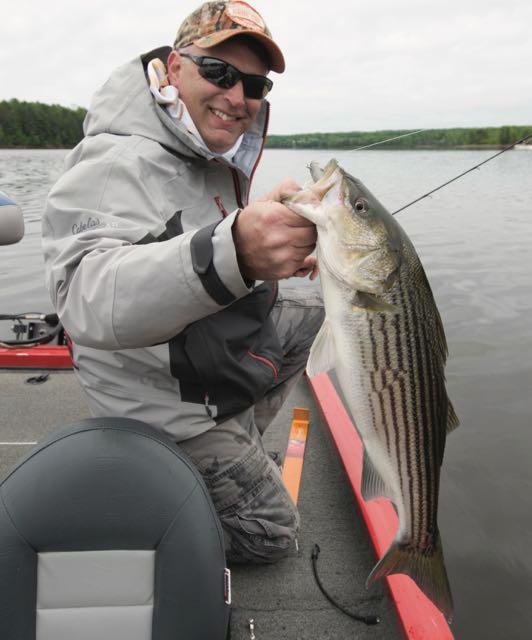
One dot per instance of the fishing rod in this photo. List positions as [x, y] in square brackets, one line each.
[477, 166]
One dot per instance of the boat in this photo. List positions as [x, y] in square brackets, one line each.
[523, 147]
[322, 458]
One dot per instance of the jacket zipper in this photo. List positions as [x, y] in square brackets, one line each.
[264, 132]
[236, 182]
[265, 361]
[238, 192]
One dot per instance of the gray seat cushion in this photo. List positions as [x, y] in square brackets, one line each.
[110, 485]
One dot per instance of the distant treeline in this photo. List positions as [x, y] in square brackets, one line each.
[430, 139]
[37, 125]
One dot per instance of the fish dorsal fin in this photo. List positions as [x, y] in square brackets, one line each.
[373, 486]
[452, 418]
[323, 351]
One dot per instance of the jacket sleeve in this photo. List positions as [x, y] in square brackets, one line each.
[111, 287]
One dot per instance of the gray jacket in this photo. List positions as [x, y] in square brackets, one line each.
[142, 269]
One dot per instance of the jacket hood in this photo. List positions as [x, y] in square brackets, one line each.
[124, 105]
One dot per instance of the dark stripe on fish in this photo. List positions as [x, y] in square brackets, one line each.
[439, 423]
[402, 388]
[379, 392]
[409, 329]
[395, 433]
[373, 344]
[422, 438]
[435, 380]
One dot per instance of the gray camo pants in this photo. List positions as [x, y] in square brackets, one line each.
[259, 519]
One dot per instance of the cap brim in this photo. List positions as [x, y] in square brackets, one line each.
[277, 63]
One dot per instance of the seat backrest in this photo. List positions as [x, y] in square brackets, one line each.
[107, 532]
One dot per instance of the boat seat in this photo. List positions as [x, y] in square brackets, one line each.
[107, 532]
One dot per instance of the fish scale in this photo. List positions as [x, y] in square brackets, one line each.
[384, 337]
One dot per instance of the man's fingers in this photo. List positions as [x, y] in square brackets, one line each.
[303, 237]
[301, 273]
[293, 219]
[286, 189]
[273, 242]
[309, 268]
[309, 262]
[315, 272]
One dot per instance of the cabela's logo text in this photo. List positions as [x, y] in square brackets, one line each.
[84, 225]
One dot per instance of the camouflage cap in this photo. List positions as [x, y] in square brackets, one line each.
[215, 22]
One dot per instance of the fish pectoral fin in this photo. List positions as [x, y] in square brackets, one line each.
[373, 486]
[363, 301]
[452, 418]
[323, 351]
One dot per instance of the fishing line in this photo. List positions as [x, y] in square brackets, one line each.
[374, 144]
[477, 166]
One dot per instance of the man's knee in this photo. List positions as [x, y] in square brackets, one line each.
[262, 533]
[262, 525]
[259, 519]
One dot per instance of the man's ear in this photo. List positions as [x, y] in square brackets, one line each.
[173, 67]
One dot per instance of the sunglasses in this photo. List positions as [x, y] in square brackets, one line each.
[224, 75]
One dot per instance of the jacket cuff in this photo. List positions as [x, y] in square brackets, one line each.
[225, 260]
[214, 261]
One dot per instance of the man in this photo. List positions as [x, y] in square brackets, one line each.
[166, 281]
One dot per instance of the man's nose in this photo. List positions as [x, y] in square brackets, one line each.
[235, 94]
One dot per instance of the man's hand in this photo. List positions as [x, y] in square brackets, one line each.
[273, 242]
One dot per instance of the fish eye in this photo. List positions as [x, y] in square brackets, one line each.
[361, 205]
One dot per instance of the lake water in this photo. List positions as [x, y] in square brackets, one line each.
[475, 240]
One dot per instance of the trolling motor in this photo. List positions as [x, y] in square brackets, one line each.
[32, 329]
[11, 221]
[29, 329]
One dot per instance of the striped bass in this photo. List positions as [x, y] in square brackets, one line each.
[384, 337]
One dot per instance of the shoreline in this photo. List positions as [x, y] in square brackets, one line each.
[382, 147]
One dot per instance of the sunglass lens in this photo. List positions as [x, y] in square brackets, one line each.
[256, 87]
[213, 70]
[224, 75]
[232, 76]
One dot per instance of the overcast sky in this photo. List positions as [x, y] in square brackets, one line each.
[351, 65]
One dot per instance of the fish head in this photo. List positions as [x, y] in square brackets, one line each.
[359, 242]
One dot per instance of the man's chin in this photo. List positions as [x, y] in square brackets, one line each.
[220, 144]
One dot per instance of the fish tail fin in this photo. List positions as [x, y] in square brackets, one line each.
[426, 569]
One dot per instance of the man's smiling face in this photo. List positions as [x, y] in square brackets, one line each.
[221, 115]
